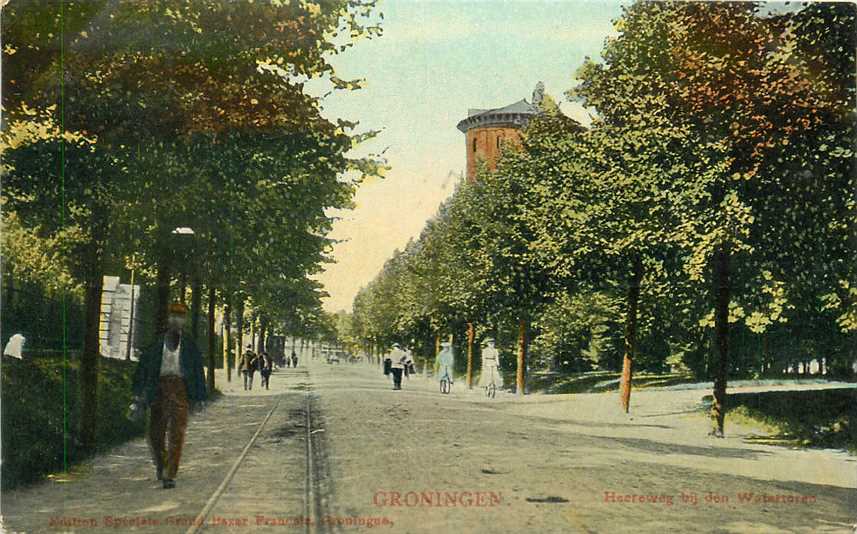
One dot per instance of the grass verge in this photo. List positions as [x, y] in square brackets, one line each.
[41, 415]
[825, 418]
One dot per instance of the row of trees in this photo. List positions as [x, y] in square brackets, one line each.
[126, 120]
[705, 220]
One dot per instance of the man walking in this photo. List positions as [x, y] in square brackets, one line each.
[398, 358]
[169, 376]
[267, 367]
[248, 367]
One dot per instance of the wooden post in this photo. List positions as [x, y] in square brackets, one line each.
[471, 333]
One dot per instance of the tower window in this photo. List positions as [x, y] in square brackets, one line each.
[498, 142]
[474, 144]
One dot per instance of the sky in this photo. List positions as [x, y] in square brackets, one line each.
[435, 60]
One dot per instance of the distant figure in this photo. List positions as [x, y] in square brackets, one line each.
[15, 347]
[397, 357]
[490, 365]
[169, 376]
[248, 367]
[408, 364]
[444, 362]
[289, 360]
[267, 366]
[294, 359]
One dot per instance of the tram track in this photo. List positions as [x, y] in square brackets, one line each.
[316, 484]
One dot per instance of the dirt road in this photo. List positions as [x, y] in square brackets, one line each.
[567, 464]
[332, 448]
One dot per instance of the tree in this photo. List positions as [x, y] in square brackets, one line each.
[139, 105]
[741, 90]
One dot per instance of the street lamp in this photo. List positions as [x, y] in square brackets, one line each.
[182, 238]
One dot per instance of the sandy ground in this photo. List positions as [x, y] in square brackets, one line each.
[418, 461]
[571, 463]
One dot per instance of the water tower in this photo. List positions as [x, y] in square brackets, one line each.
[487, 130]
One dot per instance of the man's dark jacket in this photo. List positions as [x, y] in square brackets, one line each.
[148, 372]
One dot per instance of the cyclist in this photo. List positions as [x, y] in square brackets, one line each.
[444, 362]
[490, 365]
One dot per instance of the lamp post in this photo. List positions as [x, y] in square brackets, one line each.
[130, 342]
[183, 237]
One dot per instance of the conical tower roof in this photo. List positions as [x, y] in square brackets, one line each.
[516, 115]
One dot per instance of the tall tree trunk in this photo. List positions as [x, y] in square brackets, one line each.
[239, 324]
[195, 305]
[520, 375]
[10, 300]
[721, 336]
[227, 337]
[631, 331]
[263, 327]
[253, 331]
[212, 337]
[183, 288]
[163, 282]
[471, 333]
[436, 348]
[89, 361]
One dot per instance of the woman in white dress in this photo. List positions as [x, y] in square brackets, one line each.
[490, 365]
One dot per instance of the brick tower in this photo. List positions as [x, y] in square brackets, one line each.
[487, 130]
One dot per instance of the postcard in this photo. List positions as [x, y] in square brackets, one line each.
[417, 266]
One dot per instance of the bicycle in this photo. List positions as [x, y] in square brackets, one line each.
[445, 383]
[491, 388]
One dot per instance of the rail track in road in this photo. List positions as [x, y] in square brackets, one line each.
[286, 500]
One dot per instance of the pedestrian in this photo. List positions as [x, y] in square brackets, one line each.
[408, 364]
[266, 369]
[294, 359]
[388, 365]
[168, 378]
[444, 362]
[398, 358]
[289, 360]
[248, 367]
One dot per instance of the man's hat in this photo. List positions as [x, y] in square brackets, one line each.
[178, 308]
